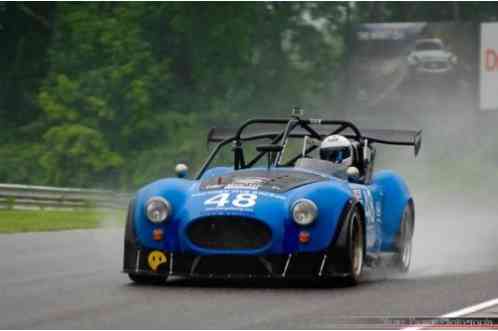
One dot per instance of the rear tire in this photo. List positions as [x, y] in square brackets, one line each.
[356, 249]
[403, 254]
[147, 279]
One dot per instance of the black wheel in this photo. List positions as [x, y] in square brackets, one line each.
[403, 256]
[147, 279]
[356, 248]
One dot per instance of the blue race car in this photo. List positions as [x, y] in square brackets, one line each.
[287, 208]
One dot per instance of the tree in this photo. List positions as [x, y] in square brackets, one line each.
[78, 156]
[141, 83]
[149, 77]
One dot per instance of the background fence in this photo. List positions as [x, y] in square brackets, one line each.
[14, 196]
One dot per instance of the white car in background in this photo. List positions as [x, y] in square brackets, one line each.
[431, 58]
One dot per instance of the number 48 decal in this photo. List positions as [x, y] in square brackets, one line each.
[242, 200]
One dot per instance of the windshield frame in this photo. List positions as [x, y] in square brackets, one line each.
[278, 138]
[434, 43]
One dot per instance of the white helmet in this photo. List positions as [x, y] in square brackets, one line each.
[337, 149]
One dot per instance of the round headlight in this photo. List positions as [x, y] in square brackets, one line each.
[304, 212]
[158, 209]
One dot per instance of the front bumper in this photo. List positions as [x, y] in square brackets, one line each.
[328, 262]
[420, 72]
[299, 265]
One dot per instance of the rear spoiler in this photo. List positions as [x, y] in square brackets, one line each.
[388, 137]
[395, 137]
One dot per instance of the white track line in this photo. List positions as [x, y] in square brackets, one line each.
[458, 313]
[472, 309]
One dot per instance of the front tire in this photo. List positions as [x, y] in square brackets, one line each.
[356, 250]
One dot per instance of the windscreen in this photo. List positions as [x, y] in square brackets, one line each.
[428, 46]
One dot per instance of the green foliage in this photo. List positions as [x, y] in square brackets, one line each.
[19, 163]
[133, 88]
[77, 155]
[115, 94]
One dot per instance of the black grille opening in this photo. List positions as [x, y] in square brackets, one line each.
[231, 265]
[229, 232]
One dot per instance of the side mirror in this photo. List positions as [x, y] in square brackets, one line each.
[181, 170]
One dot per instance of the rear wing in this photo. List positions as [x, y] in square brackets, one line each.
[395, 137]
[388, 137]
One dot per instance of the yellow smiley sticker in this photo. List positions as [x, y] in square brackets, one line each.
[155, 259]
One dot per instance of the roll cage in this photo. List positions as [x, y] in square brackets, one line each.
[296, 127]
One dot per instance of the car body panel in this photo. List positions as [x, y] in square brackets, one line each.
[191, 202]
[382, 201]
[395, 197]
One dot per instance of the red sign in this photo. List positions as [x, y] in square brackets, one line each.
[491, 59]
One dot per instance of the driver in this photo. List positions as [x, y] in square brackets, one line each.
[337, 149]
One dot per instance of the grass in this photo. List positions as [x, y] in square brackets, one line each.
[12, 221]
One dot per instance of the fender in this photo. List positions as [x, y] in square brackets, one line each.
[332, 199]
[395, 198]
[130, 240]
[176, 191]
[337, 264]
[135, 255]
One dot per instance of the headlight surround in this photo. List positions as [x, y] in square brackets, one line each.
[304, 212]
[157, 209]
[413, 60]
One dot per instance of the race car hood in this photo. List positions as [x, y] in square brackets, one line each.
[276, 181]
[260, 195]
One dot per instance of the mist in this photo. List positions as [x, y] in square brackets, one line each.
[453, 180]
[453, 183]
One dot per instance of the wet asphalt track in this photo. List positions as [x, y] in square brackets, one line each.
[72, 279]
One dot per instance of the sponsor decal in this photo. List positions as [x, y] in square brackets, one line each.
[247, 183]
[369, 206]
[357, 195]
[271, 195]
[233, 201]
[366, 198]
[258, 193]
[378, 211]
[214, 186]
[241, 200]
[155, 259]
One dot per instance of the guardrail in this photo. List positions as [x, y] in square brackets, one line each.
[14, 196]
